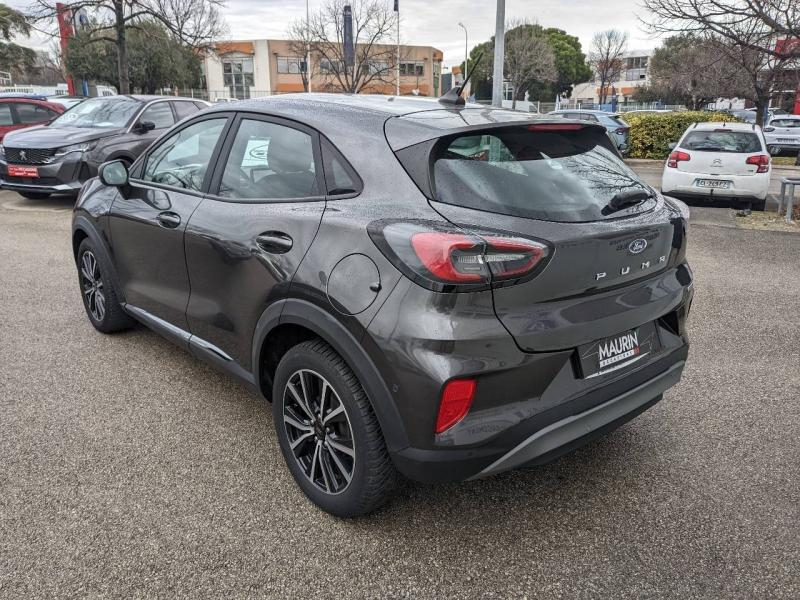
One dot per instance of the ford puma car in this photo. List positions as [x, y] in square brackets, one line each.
[442, 292]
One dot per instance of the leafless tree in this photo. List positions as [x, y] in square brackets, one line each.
[374, 26]
[606, 57]
[529, 57]
[300, 46]
[193, 22]
[760, 35]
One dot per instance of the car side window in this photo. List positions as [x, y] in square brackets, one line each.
[340, 177]
[182, 159]
[160, 114]
[184, 109]
[32, 113]
[5, 115]
[269, 161]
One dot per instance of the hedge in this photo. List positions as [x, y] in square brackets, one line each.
[651, 133]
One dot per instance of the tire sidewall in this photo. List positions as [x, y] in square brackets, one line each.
[347, 502]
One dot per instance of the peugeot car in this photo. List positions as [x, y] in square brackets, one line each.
[59, 157]
[436, 291]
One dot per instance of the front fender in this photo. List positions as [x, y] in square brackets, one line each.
[332, 331]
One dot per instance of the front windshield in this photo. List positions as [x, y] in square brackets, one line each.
[99, 113]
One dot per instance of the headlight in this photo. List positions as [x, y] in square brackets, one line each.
[84, 147]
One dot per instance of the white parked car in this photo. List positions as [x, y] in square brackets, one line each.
[783, 133]
[719, 160]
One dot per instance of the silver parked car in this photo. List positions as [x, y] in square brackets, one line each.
[783, 133]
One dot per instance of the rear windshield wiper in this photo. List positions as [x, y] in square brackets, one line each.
[629, 197]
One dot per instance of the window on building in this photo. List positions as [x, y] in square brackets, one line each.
[237, 74]
[412, 69]
[330, 66]
[292, 65]
[378, 67]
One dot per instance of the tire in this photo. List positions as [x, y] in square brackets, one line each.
[99, 298]
[35, 195]
[774, 150]
[320, 461]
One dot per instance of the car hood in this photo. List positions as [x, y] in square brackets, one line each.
[55, 137]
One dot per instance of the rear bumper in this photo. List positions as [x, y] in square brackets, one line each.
[680, 183]
[553, 433]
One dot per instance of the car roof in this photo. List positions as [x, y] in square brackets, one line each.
[584, 110]
[783, 117]
[712, 125]
[406, 120]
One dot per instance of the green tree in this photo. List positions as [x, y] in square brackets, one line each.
[571, 66]
[14, 57]
[156, 59]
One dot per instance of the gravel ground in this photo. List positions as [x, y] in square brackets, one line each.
[131, 470]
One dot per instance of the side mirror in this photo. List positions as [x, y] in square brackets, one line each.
[144, 126]
[672, 145]
[113, 173]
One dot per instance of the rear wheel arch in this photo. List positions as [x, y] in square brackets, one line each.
[293, 321]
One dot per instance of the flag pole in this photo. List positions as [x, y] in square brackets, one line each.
[397, 78]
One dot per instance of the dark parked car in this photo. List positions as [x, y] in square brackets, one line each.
[618, 129]
[446, 293]
[58, 158]
[19, 112]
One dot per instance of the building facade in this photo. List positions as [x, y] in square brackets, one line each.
[635, 73]
[254, 68]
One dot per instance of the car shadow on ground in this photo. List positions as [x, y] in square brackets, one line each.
[13, 201]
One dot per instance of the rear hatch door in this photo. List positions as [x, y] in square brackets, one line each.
[608, 271]
[720, 152]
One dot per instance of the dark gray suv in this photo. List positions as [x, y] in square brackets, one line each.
[59, 157]
[443, 292]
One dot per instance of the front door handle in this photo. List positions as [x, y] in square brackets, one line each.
[168, 219]
[274, 242]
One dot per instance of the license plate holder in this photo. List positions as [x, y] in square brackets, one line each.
[20, 171]
[618, 351]
[716, 184]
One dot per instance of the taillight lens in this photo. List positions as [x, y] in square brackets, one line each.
[455, 404]
[442, 257]
[677, 157]
[762, 160]
[621, 130]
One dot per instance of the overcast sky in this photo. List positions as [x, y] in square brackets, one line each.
[435, 22]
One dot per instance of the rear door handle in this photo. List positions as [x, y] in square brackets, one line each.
[274, 242]
[168, 219]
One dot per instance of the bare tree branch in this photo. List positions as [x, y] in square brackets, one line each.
[606, 56]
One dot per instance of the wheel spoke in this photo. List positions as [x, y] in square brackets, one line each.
[333, 414]
[300, 401]
[340, 466]
[312, 475]
[86, 274]
[322, 399]
[327, 474]
[301, 439]
[341, 447]
[292, 420]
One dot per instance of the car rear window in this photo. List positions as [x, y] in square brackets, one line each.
[533, 172]
[722, 141]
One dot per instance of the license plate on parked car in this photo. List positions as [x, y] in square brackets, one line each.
[713, 183]
[17, 171]
[618, 351]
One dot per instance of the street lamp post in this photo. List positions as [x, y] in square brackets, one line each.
[466, 49]
[499, 54]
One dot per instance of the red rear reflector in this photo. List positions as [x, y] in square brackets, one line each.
[456, 402]
[555, 127]
[677, 157]
[762, 160]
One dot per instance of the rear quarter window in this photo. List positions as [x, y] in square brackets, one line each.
[565, 176]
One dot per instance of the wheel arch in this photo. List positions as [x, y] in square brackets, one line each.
[292, 321]
[82, 229]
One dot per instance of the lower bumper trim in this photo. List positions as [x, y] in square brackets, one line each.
[562, 433]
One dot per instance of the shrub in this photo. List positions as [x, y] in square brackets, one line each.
[652, 133]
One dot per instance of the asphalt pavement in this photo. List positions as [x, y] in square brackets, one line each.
[128, 469]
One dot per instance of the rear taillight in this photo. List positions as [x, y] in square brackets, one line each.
[621, 130]
[555, 127]
[676, 157]
[439, 256]
[762, 160]
[455, 403]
